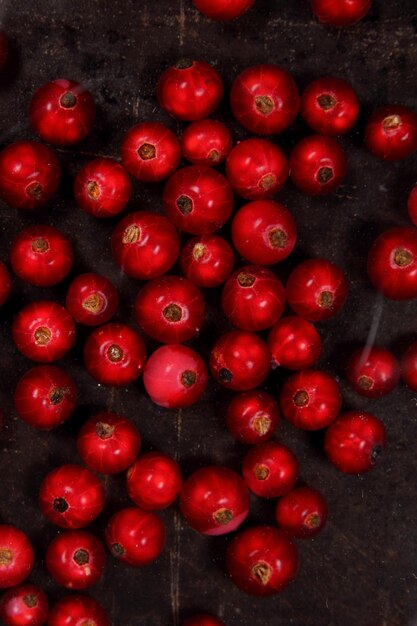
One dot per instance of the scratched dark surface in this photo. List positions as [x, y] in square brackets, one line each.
[362, 570]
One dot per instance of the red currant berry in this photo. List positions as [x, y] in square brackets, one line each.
[62, 112]
[340, 12]
[392, 263]
[170, 309]
[317, 290]
[114, 354]
[26, 605]
[5, 283]
[78, 611]
[294, 343]
[4, 49]
[71, 496]
[373, 371]
[154, 481]
[108, 443]
[43, 331]
[203, 619]
[135, 537]
[214, 500]
[222, 10]
[412, 205]
[264, 232]
[409, 366]
[302, 512]
[102, 188]
[262, 560]
[16, 556]
[198, 200]
[264, 99]
[75, 559]
[175, 376]
[29, 174]
[145, 245]
[330, 106]
[252, 416]
[207, 260]
[206, 142]
[391, 132]
[270, 469]
[92, 299]
[41, 255]
[190, 90]
[317, 165]
[355, 441]
[150, 152]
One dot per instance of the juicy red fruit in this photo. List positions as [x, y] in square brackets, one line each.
[294, 343]
[391, 132]
[373, 371]
[409, 366]
[16, 556]
[223, 10]
[77, 610]
[330, 106]
[206, 142]
[302, 512]
[75, 559]
[26, 605]
[270, 469]
[207, 260]
[252, 416]
[92, 299]
[340, 12]
[135, 537]
[154, 481]
[317, 165]
[102, 188]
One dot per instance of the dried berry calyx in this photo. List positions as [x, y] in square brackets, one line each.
[326, 101]
[325, 175]
[34, 190]
[172, 312]
[147, 151]
[185, 205]
[104, 431]
[60, 505]
[188, 378]
[81, 557]
[95, 303]
[68, 100]
[132, 234]
[93, 190]
[262, 572]
[115, 353]
[42, 336]
[264, 104]
[40, 245]
[223, 516]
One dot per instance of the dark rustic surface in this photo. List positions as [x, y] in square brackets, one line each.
[362, 570]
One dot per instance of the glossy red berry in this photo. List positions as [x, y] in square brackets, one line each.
[206, 142]
[214, 500]
[71, 496]
[190, 90]
[4, 49]
[102, 188]
[392, 263]
[26, 605]
[5, 283]
[170, 309]
[16, 556]
[75, 559]
[409, 366]
[29, 175]
[240, 360]
[203, 619]
[198, 200]
[207, 260]
[43, 331]
[265, 99]
[222, 10]
[175, 376]
[262, 560]
[41, 255]
[412, 205]
[373, 371]
[391, 132]
[355, 441]
[264, 232]
[252, 416]
[330, 106]
[294, 343]
[154, 481]
[340, 12]
[62, 112]
[270, 469]
[256, 169]
[92, 299]
[135, 537]
[302, 512]
[317, 165]
[114, 354]
[108, 443]
[253, 298]
[150, 152]
[317, 290]
[77, 610]
[145, 245]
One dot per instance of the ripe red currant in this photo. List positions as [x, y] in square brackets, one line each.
[409, 366]
[16, 556]
[135, 537]
[270, 469]
[252, 416]
[102, 188]
[373, 371]
[92, 299]
[391, 132]
[412, 205]
[317, 165]
[294, 343]
[150, 152]
[78, 610]
[302, 512]
[222, 10]
[154, 481]
[330, 106]
[206, 142]
[26, 605]
[207, 260]
[340, 12]
[392, 263]
[75, 559]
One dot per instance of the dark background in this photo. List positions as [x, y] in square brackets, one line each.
[362, 569]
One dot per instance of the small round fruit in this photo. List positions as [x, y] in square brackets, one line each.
[409, 366]
[340, 12]
[270, 469]
[330, 106]
[202, 619]
[26, 605]
[75, 559]
[294, 343]
[317, 165]
[206, 142]
[373, 371]
[391, 133]
[154, 481]
[135, 537]
[207, 260]
[252, 416]
[302, 512]
[222, 10]
[78, 611]
[102, 188]
[92, 299]
[412, 205]
[16, 556]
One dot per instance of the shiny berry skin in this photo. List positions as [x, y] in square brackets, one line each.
[206, 142]
[4, 49]
[92, 299]
[222, 10]
[154, 481]
[135, 537]
[355, 441]
[264, 232]
[252, 416]
[240, 360]
[45, 396]
[62, 112]
[75, 559]
[262, 560]
[265, 99]
[198, 200]
[256, 169]
[145, 245]
[43, 331]
[373, 371]
[108, 443]
[102, 188]
[150, 152]
[207, 260]
[203, 619]
[302, 512]
[41, 255]
[294, 343]
[253, 298]
[26, 605]
[392, 263]
[5, 283]
[317, 165]
[270, 469]
[340, 12]
[317, 290]
[114, 354]
[16, 556]
[78, 610]
[71, 496]
[214, 500]
[391, 133]
[330, 106]
[175, 376]
[190, 90]
[412, 205]
[30, 174]
[170, 309]
[409, 366]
